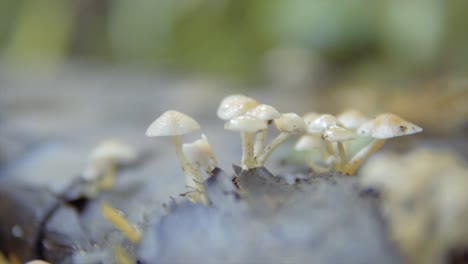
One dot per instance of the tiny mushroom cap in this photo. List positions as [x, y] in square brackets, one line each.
[290, 123]
[37, 261]
[235, 105]
[388, 126]
[352, 119]
[323, 122]
[264, 112]
[200, 152]
[113, 149]
[245, 124]
[172, 123]
[308, 142]
[337, 133]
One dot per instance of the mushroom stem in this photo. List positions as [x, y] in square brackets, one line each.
[272, 146]
[107, 180]
[260, 138]
[362, 155]
[192, 175]
[342, 153]
[247, 150]
[197, 179]
[331, 152]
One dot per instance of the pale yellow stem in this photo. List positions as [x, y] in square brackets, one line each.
[260, 138]
[331, 152]
[342, 153]
[108, 179]
[192, 175]
[271, 147]
[354, 163]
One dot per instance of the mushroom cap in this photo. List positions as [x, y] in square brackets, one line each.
[352, 119]
[234, 106]
[308, 142]
[37, 261]
[113, 149]
[290, 123]
[388, 126]
[172, 123]
[264, 112]
[245, 124]
[200, 152]
[323, 122]
[337, 133]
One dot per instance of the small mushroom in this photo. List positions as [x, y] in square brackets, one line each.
[247, 125]
[266, 113]
[289, 124]
[36, 261]
[235, 105]
[104, 159]
[318, 126]
[199, 154]
[174, 124]
[381, 128]
[339, 135]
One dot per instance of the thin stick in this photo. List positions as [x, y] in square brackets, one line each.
[132, 233]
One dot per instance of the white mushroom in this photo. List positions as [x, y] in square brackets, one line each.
[266, 113]
[174, 124]
[104, 159]
[289, 124]
[200, 153]
[235, 105]
[247, 125]
[318, 126]
[381, 128]
[339, 135]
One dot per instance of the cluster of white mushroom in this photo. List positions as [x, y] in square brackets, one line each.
[324, 133]
[335, 133]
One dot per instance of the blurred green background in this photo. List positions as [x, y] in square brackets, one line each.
[241, 39]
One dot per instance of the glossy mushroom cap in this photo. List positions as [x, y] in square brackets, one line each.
[352, 119]
[337, 133]
[290, 123]
[264, 112]
[235, 105]
[387, 126]
[200, 152]
[323, 122]
[245, 124]
[113, 149]
[172, 123]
